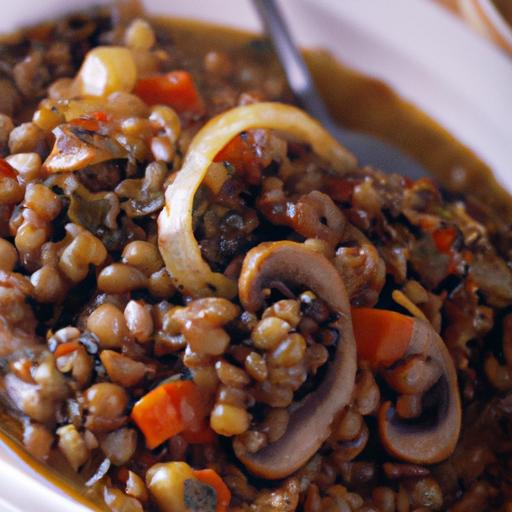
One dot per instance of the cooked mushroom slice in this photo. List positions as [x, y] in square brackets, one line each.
[433, 436]
[310, 422]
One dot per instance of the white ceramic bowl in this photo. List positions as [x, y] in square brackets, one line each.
[487, 19]
[426, 55]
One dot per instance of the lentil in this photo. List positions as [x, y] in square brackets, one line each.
[107, 322]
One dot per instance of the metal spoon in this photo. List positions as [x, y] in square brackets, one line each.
[368, 149]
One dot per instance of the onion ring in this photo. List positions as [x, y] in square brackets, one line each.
[178, 246]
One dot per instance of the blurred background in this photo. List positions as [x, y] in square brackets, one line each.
[491, 18]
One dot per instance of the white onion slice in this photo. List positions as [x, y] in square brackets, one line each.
[178, 246]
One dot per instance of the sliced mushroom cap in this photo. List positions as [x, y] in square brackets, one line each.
[431, 439]
[310, 422]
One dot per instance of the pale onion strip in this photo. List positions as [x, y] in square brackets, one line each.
[177, 243]
[400, 298]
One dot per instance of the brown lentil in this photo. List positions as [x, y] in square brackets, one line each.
[8, 255]
[120, 278]
[269, 332]
[139, 320]
[256, 366]
[107, 322]
[143, 256]
[289, 352]
[228, 420]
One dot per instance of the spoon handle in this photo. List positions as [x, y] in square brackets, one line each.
[297, 73]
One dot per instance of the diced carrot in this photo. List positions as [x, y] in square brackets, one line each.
[202, 435]
[91, 125]
[157, 416]
[186, 396]
[168, 410]
[444, 239]
[382, 336]
[6, 170]
[241, 153]
[99, 116]
[232, 151]
[66, 348]
[91, 121]
[211, 478]
[176, 89]
[340, 189]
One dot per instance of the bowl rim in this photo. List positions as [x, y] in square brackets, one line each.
[486, 18]
[429, 17]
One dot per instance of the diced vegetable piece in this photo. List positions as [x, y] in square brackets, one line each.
[168, 410]
[211, 478]
[339, 189]
[176, 89]
[107, 69]
[202, 435]
[157, 416]
[241, 152]
[444, 238]
[66, 348]
[90, 122]
[6, 170]
[382, 336]
[187, 399]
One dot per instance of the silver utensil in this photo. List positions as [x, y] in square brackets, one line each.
[369, 150]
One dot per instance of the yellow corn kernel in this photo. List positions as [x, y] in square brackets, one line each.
[107, 69]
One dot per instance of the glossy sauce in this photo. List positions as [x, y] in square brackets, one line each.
[358, 102]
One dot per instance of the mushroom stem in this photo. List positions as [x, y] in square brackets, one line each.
[434, 439]
[310, 422]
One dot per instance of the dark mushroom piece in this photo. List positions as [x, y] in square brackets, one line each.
[310, 422]
[433, 437]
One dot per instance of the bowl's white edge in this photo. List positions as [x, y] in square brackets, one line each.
[470, 97]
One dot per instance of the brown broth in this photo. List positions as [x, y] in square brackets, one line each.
[56, 471]
[369, 105]
[358, 102]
